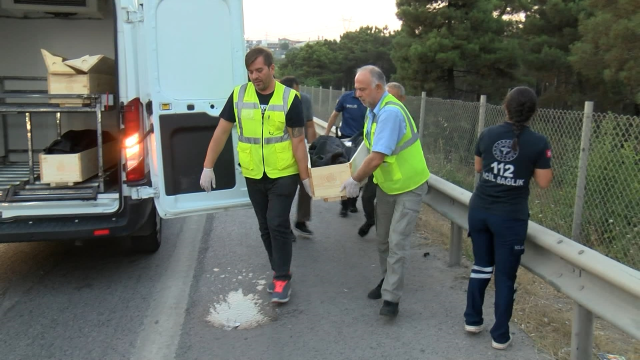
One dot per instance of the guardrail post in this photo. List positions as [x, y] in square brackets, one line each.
[455, 245]
[481, 119]
[581, 333]
[423, 106]
[582, 324]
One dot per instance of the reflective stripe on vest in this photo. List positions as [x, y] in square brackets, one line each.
[264, 144]
[240, 104]
[414, 134]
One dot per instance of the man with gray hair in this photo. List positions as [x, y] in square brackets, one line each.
[370, 188]
[396, 90]
[398, 166]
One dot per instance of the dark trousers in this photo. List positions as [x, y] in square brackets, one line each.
[304, 204]
[498, 241]
[272, 200]
[368, 200]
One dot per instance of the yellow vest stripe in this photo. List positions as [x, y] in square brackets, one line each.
[414, 133]
[264, 144]
[405, 168]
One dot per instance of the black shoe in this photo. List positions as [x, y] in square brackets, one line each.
[364, 229]
[343, 212]
[353, 209]
[389, 308]
[302, 228]
[376, 293]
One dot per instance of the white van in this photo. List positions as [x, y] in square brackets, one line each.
[176, 62]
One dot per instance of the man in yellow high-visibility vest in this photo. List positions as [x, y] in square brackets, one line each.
[272, 154]
[370, 188]
[399, 169]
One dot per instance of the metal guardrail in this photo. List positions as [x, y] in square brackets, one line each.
[598, 284]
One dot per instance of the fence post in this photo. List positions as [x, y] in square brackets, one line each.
[338, 122]
[330, 107]
[320, 96]
[423, 105]
[481, 119]
[455, 245]
[582, 171]
[5, 135]
[582, 324]
[313, 99]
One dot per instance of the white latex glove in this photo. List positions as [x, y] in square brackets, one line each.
[352, 187]
[208, 179]
[307, 186]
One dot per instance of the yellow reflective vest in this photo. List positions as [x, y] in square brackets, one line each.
[264, 144]
[405, 169]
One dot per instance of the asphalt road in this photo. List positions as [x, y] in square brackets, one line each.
[203, 296]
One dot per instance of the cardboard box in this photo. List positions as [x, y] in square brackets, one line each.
[85, 75]
[326, 181]
[69, 169]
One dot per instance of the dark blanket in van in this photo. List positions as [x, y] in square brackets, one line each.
[329, 150]
[75, 141]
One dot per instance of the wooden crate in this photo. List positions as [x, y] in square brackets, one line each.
[85, 75]
[326, 181]
[79, 84]
[69, 169]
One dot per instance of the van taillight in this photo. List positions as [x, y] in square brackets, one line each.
[134, 149]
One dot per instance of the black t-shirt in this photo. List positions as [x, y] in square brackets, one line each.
[504, 183]
[293, 119]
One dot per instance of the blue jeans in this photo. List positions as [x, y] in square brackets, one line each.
[498, 241]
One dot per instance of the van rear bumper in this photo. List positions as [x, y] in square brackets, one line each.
[127, 221]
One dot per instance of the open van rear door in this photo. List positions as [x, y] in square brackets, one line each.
[195, 56]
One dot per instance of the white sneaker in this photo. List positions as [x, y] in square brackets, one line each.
[473, 329]
[498, 346]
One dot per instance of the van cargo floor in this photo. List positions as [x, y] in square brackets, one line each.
[15, 187]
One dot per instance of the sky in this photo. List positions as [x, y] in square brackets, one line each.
[308, 19]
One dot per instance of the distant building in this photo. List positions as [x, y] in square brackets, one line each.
[273, 45]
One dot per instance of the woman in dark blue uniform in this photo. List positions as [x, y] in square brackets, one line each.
[507, 157]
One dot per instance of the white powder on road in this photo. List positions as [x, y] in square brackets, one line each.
[237, 312]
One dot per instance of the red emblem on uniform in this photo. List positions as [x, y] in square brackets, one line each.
[549, 153]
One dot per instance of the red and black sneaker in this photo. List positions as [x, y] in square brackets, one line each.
[281, 291]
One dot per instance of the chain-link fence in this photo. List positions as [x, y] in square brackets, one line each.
[607, 212]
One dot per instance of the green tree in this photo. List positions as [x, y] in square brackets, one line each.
[314, 60]
[550, 28]
[609, 47]
[333, 63]
[453, 48]
[365, 46]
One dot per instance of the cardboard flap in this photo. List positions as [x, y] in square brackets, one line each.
[96, 64]
[55, 64]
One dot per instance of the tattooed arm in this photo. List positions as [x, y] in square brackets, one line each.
[299, 150]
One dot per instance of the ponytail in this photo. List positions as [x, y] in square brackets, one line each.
[521, 104]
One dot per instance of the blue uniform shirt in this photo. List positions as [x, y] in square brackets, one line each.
[353, 113]
[503, 188]
[390, 127]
